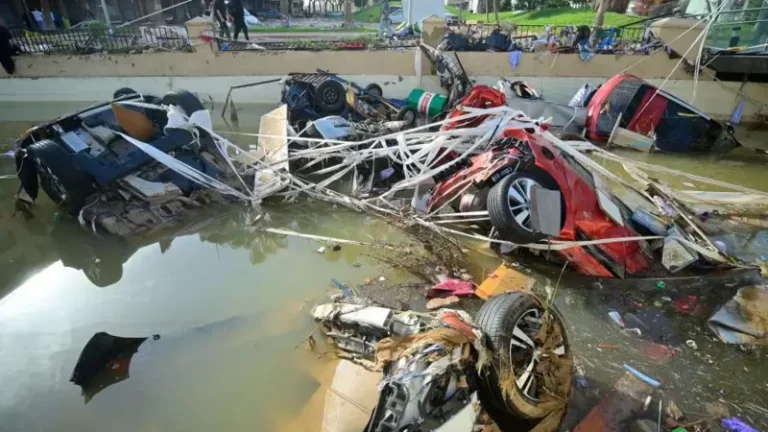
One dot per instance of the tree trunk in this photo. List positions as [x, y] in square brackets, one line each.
[618, 6]
[47, 15]
[496, 10]
[348, 11]
[22, 10]
[62, 6]
[600, 17]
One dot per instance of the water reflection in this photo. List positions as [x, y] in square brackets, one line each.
[101, 258]
[104, 361]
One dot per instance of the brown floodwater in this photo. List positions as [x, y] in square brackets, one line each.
[222, 307]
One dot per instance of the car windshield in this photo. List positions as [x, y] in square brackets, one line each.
[617, 104]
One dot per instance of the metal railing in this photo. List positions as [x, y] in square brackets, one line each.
[95, 40]
[525, 34]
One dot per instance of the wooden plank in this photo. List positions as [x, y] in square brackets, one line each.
[630, 139]
[275, 147]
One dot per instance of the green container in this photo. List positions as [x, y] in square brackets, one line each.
[427, 103]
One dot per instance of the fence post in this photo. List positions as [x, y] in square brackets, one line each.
[106, 13]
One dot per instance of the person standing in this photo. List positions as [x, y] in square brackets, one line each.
[6, 49]
[237, 11]
[38, 16]
[220, 15]
[385, 24]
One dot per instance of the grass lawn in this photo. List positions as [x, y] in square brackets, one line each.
[300, 29]
[557, 17]
[373, 13]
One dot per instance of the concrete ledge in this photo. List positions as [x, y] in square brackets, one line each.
[717, 99]
[555, 76]
[206, 62]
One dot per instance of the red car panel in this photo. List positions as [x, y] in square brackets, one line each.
[584, 215]
[650, 113]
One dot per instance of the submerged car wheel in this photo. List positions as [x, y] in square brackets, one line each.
[60, 178]
[185, 100]
[374, 89]
[509, 205]
[408, 115]
[125, 91]
[531, 364]
[329, 97]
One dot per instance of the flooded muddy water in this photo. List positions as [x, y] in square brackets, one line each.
[222, 307]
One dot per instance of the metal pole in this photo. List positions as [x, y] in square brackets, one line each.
[487, 13]
[106, 13]
[152, 14]
[410, 12]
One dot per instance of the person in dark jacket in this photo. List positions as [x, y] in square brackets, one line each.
[220, 15]
[238, 14]
[6, 49]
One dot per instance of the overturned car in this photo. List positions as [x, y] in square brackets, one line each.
[136, 164]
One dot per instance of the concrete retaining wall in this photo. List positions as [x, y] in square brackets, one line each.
[556, 76]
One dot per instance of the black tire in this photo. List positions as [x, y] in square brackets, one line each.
[374, 89]
[26, 171]
[60, 178]
[185, 100]
[497, 319]
[500, 213]
[124, 91]
[330, 97]
[408, 115]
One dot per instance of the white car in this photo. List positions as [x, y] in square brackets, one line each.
[396, 16]
[250, 20]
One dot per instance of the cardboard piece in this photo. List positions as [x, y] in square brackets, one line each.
[504, 279]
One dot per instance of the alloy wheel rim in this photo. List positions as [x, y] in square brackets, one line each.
[525, 353]
[519, 201]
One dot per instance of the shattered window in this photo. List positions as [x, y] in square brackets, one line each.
[617, 103]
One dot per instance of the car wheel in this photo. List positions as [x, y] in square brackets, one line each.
[374, 89]
[26, 171]
[60, 178]
[408, 115]
[531, 367]
[509, 205]
[125, 91]
[185, 100]
[329, 97]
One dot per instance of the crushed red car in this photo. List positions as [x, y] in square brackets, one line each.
[501, 180]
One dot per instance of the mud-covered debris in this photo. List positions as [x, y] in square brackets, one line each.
[438, 303]
[673, 411]
[743, 319]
